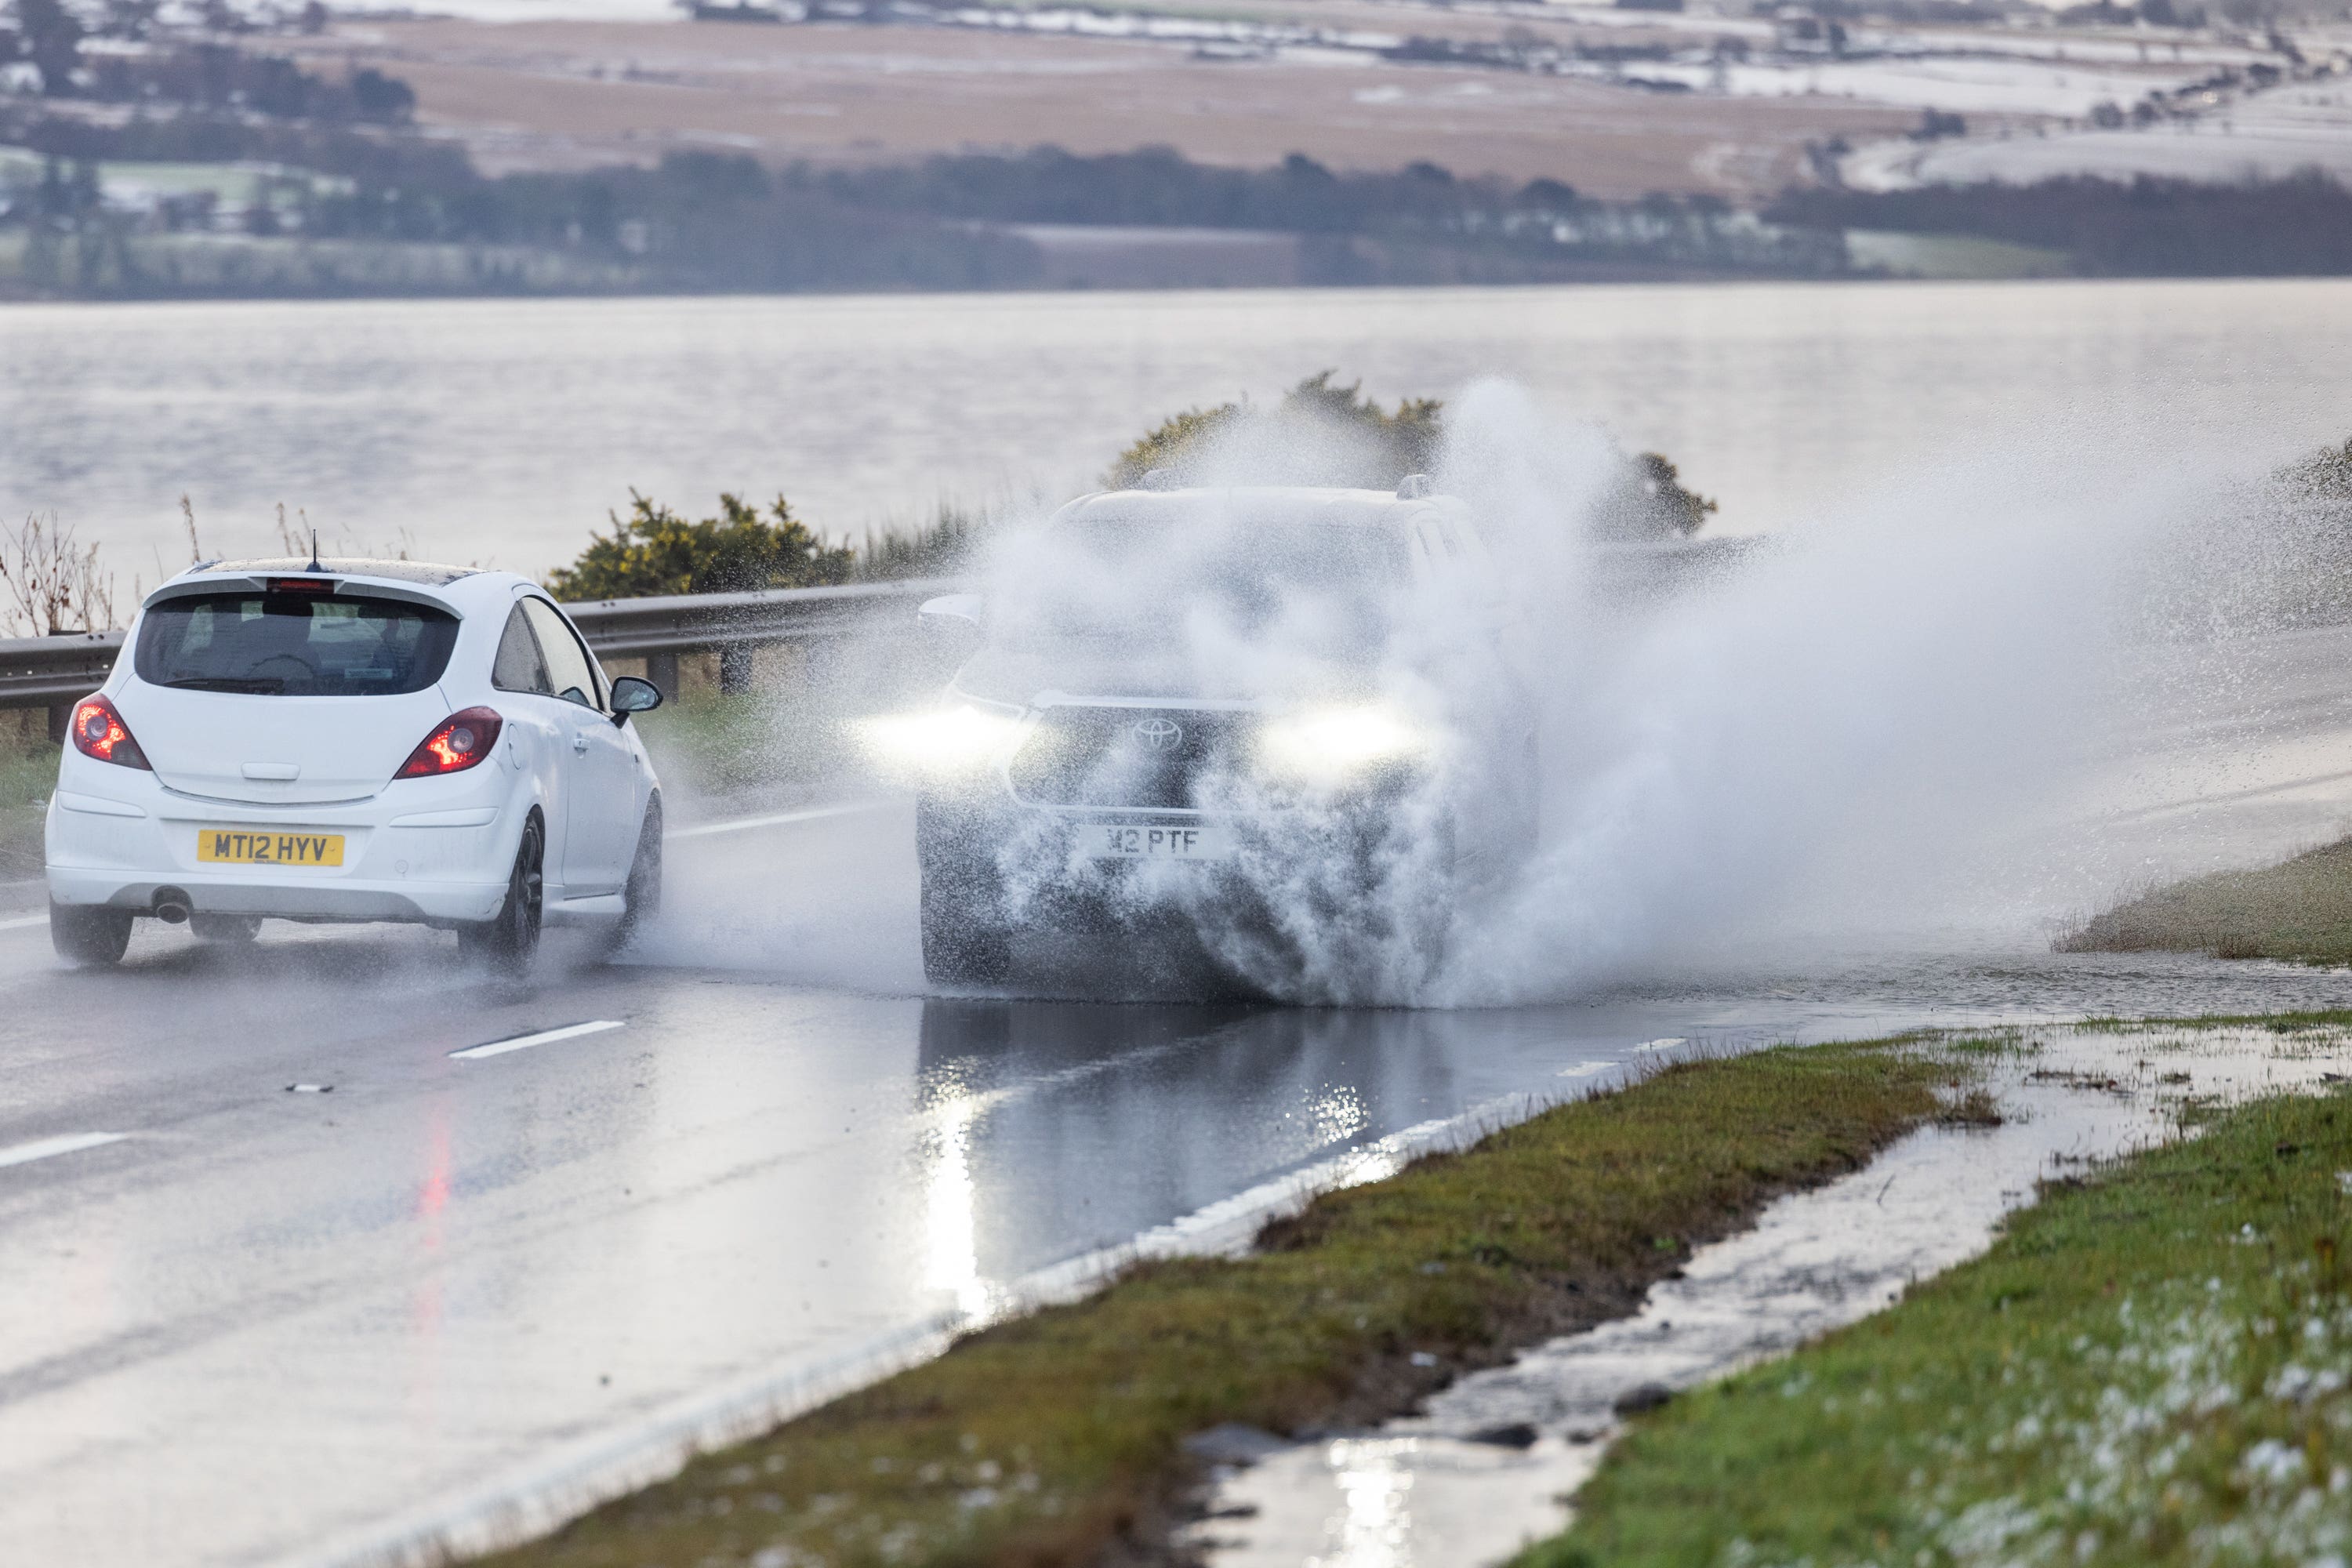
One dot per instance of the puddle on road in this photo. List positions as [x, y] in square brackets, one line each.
[1429, 1491]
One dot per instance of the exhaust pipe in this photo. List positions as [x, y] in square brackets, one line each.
[172, 906]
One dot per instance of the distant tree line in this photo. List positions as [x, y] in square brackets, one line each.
[2300, 226]
[702, 220]
[223, 78]
[204, 75]
[1158, 187]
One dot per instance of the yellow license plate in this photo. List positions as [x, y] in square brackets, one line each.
[244, 846]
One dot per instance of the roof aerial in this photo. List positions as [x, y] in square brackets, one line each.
[423, 572]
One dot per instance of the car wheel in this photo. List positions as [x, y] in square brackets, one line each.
[510, 941]
[89, 936]
[228, 930]
[963, 944]
[641, 901]
[966, 939]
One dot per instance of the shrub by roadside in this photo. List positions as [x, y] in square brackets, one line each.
[655, 550]
[1056, 1437]
[1324, 434]
[2154, 1366]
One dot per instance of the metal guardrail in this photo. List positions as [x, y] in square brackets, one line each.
[45, 672]
[634, 628]
[48, 672]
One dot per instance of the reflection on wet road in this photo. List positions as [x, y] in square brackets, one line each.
[291, 1263]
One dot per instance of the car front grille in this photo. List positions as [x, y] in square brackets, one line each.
[1134, 759]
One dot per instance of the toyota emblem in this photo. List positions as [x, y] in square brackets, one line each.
[1158, 734]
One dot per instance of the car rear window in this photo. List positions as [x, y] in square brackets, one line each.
[286, 645]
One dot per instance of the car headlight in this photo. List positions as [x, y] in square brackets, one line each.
[1336, 745]
[942, 742]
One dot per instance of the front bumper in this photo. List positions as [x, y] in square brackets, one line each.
[416, 859]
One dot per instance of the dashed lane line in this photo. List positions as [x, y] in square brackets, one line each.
[64, 1143]
[781, 819]
[545, 1038]
[19, 922]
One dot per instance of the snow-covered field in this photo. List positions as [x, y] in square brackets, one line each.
[2301, 125]
[1734, 102]
[1964, 84]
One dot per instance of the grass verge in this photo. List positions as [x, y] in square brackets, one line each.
[2150, 1367]
[1057, 1438]
[720, 744]
[2299, 911]
[28, 771]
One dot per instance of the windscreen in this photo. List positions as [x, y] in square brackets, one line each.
[289, 645]
[1147, 581]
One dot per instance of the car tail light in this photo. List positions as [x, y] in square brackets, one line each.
[301, 585]
[456, 744]
[98, 731]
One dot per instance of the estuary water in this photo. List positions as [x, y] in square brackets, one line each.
[502, 432]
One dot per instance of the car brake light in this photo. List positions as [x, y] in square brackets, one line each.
[98, 731]
[301, 585]
[456, 744]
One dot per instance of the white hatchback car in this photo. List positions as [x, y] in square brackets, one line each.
[354, 740]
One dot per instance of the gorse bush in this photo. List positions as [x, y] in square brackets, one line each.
[1323, 434]
[655, 550]
[1318, 433]
[1649, 500]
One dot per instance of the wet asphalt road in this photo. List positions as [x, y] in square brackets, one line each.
[332, 1279]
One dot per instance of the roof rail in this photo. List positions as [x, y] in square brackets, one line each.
[1414, 486]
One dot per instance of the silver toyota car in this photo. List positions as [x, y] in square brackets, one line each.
[1254, 707]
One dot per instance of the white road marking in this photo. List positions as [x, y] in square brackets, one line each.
[20, 923]
[545, 1038]
[781, 818]
[65, 1143]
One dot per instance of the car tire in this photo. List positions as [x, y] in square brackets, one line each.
[226, 930]
[509, 941]
[641, 901]
[966, 939]
[963, 944]
[89, 936]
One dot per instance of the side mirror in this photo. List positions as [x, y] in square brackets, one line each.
[950, 623]
[631, 695]
[948, 609]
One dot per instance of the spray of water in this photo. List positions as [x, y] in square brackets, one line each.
[1882, 727]
[1863, 734]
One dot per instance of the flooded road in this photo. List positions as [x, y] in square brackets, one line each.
[293, 1270]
